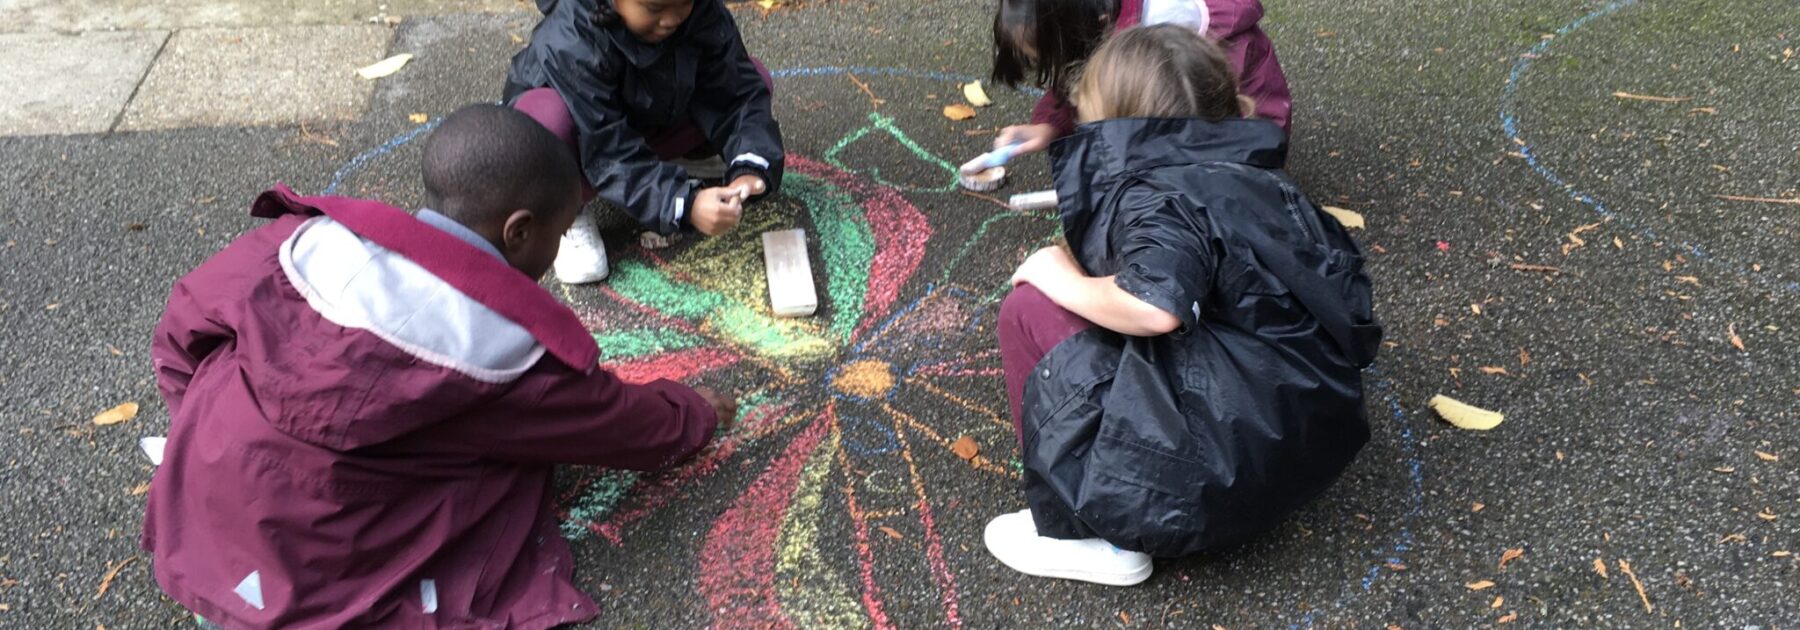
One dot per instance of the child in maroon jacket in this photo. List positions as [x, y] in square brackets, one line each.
[365, 405]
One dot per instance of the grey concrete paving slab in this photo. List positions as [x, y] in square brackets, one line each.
[88, 15]
[258, 76]
[66, 84]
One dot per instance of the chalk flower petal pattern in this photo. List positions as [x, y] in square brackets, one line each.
[839, 395]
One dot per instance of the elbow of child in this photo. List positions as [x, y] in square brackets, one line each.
[1160, 323]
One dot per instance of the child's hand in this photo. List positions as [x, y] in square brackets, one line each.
[1046, 266]
[717, 210]
[725, 406]
[1030, 138]
[752, 185]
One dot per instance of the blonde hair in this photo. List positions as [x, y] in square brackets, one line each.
[1162, 71]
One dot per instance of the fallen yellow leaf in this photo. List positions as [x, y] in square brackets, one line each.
[959, 111]
[1479, 586]
[418, 118]
[1475, 308]
[977, 96]
[891, 532]
[1767, 514]
[1494, 369]
[1509, 618]
[1768, 457]
[1463, 415]
[1349, 218]
[1731, 538]
[1498, 600]
[384, 67]
[768, 5]
[1600, 567]
[117, 414]
[140, 489]
[1479, 506]
[1782, 553]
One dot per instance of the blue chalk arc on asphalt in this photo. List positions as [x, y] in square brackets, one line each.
[1390, 553]
[1509, 122]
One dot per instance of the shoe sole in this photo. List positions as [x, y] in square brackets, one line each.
[1107, 579]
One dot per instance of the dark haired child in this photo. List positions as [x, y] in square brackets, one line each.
[1188, 371]
[365, 406]
[1045, 41]
[653, 97]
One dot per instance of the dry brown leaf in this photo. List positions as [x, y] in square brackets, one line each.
[1475, 308]
[1479, 586]
[419, 117]
[117, 414]
[1625, 568]
[1125, 617]
[516, 39]
[1781, 553]
[140, 489]
[1767, 515]
[1510, 555]
[1524, 358]
[1498, 600]
[1725, 470]
[1600, 567]
[1479, 506]
[1395, 566]
[113, 572]
[1688, 279]
[1731, 538]
[966, 448]
[1509, 618]
[1736, 341]
[1654, 99]
[115, 351]
[1618, 244]
[891, 532]
[1767, 457]
[1494, 369]
[959, 111]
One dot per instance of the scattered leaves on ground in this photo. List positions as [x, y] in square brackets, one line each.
[1510, 555]
[1349, 218]
[975, 95]
[1731, 538]
[1463, 415]
[384, 67]
[1736, 341]
[1600, 567]
[959, 111]
[1767, 457]
[1498, 601]
[419, 117]
[117, 414]
[1767, 514]
[112, 572]
[1479, 586]
[1509, 618]
[1479, 506]
[1494, 370]
[140, 489]
[891, 532]
[1654, 99]
[966, 448]
[1625, 568]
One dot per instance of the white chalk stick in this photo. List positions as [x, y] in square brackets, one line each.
[1039, 200]
[791, 292]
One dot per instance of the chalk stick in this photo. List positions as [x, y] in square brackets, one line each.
[1039, 200]
[791, 292]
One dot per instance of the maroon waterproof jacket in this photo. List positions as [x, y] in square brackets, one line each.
[1234, 24]
[364, 415]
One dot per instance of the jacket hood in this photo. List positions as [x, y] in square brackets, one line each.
[1088, 164]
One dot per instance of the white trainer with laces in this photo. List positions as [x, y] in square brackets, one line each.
[582, 259]
[1013, 538]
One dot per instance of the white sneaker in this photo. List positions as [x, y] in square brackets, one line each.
[1013, 538]
[582, 259]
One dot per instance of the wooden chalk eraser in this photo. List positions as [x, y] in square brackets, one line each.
[791, 292]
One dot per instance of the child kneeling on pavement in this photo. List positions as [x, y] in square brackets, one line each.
[1188, 372]
[365, 406]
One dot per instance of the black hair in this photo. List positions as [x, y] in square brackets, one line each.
[485, 161]
[1063, 32]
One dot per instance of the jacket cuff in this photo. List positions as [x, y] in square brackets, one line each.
[684, 208]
